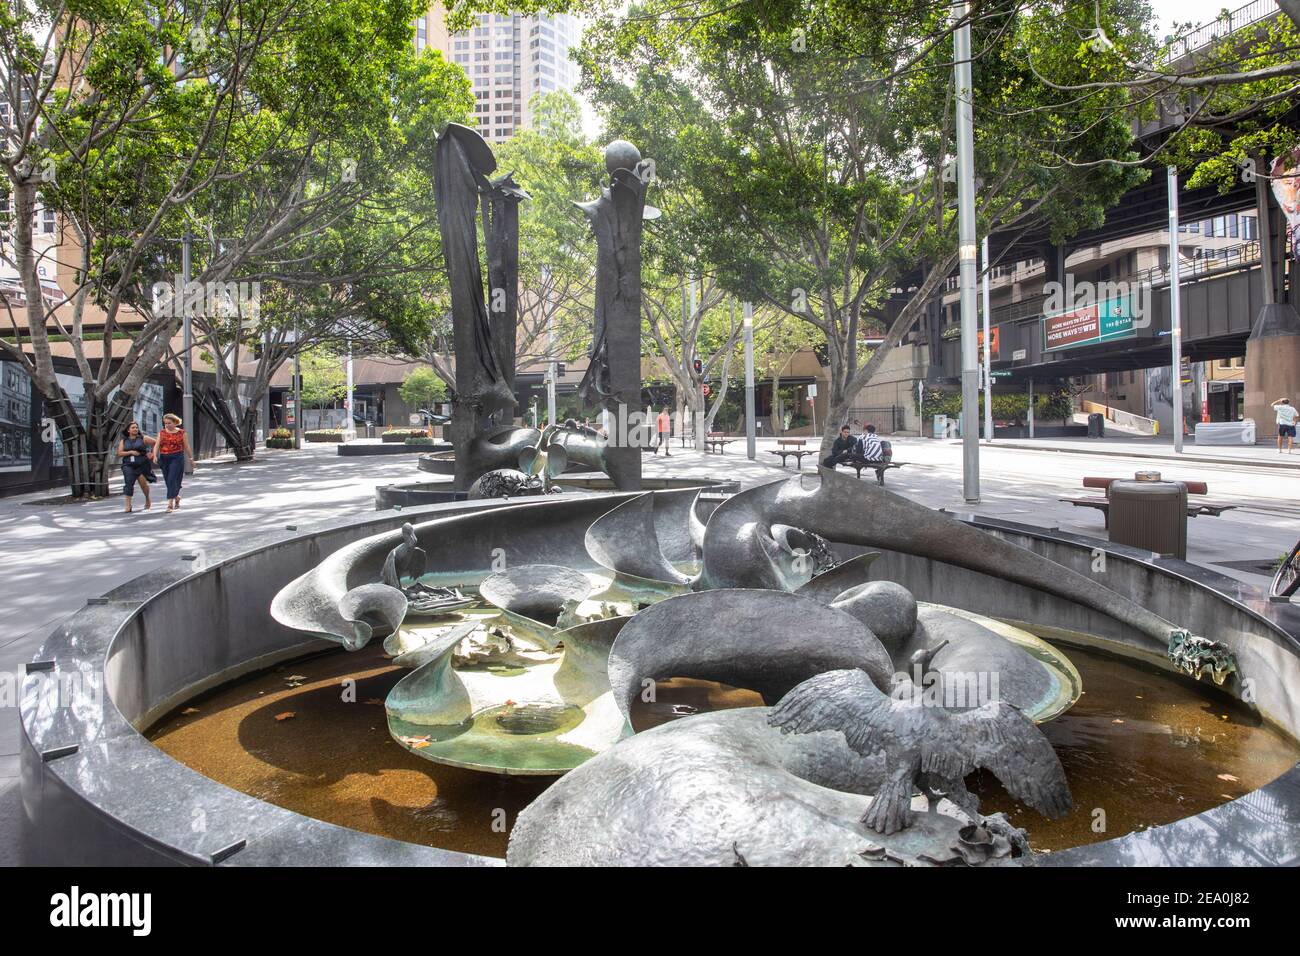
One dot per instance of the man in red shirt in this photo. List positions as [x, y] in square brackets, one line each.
[664, 425]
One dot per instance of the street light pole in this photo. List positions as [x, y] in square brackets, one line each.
[187, 343]
[988, 352]
[750, 424]
[297, 389]
[349, 426]
[966, 255]
[1175, 314]
[553, 369]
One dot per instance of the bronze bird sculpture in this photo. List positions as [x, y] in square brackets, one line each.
[928, 747]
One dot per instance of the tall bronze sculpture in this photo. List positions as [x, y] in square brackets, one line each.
[484, 329]
[613, 380]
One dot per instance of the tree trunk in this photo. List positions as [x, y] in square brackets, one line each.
[696, 402]
[837, 412]
[778, 413]
[240, 435]
[88, 447]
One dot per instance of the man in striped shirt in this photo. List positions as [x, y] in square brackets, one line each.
[869, 447]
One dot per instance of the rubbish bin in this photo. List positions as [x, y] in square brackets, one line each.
[1096, 425]
[370, 429]
[1149, 513]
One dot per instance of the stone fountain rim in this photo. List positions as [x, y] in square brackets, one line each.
[276, 836]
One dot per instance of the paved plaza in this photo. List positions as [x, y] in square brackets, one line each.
[57, 556]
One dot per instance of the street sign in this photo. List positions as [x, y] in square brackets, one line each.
[1001, 373]
[812, 390]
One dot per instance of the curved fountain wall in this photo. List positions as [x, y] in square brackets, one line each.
[96, 792]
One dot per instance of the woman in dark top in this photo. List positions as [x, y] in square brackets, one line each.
[172, 450]
[134, 451]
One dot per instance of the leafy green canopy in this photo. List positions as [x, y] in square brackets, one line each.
[813, 139]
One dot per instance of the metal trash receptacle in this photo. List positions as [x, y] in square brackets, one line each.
[1149, 513]
[1096, 425]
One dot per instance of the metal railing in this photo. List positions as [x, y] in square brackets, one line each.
[1143, 426]
[888, 419]
[1191, 268]
[1208, 34]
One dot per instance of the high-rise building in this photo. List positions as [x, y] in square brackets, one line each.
[509, 59]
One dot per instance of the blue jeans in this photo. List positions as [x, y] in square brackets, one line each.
[173, 469]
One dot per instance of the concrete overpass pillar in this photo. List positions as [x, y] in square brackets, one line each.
[1273, 349]
[1272, 364]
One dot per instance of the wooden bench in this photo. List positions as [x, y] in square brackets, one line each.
[793, 446]
[718, 441]
[880, 466]
[1194, 509]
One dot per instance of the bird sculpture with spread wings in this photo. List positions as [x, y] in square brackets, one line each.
[927, 746]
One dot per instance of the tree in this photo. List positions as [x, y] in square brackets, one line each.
[266, 127]
[344, 286]
[776, 342]
[686, 320]
[422, 388]
[816, 139]
[324, 379]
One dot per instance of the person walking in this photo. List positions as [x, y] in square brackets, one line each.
[134, 450]
[664, 425]
[1286, 419]
[172, 451]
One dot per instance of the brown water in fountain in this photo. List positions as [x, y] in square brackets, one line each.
[1141, 745]
[1142, 748]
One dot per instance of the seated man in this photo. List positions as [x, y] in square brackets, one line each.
[872, 449]
[869, 446]
[843, 448]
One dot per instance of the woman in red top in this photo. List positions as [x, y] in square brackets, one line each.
[171, 451]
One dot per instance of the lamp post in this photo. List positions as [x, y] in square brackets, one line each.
[187, 342]
[750, 424]
[552, 370]
[1175, 314]
[966, 250]
[349, 426]
[988, 351]
[297, 388]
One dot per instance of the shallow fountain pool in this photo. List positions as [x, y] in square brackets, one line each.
[1141, 748]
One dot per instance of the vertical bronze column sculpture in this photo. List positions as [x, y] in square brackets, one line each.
[501, 228]
[613, 380]
[483, 332]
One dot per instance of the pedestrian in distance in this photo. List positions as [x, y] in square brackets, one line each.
[172, 451]
[135, 451]
[1286, 421]
[664, 425]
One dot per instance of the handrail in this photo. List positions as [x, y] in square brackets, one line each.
[1220, 28]
[1190, 269]
[1139, 424]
